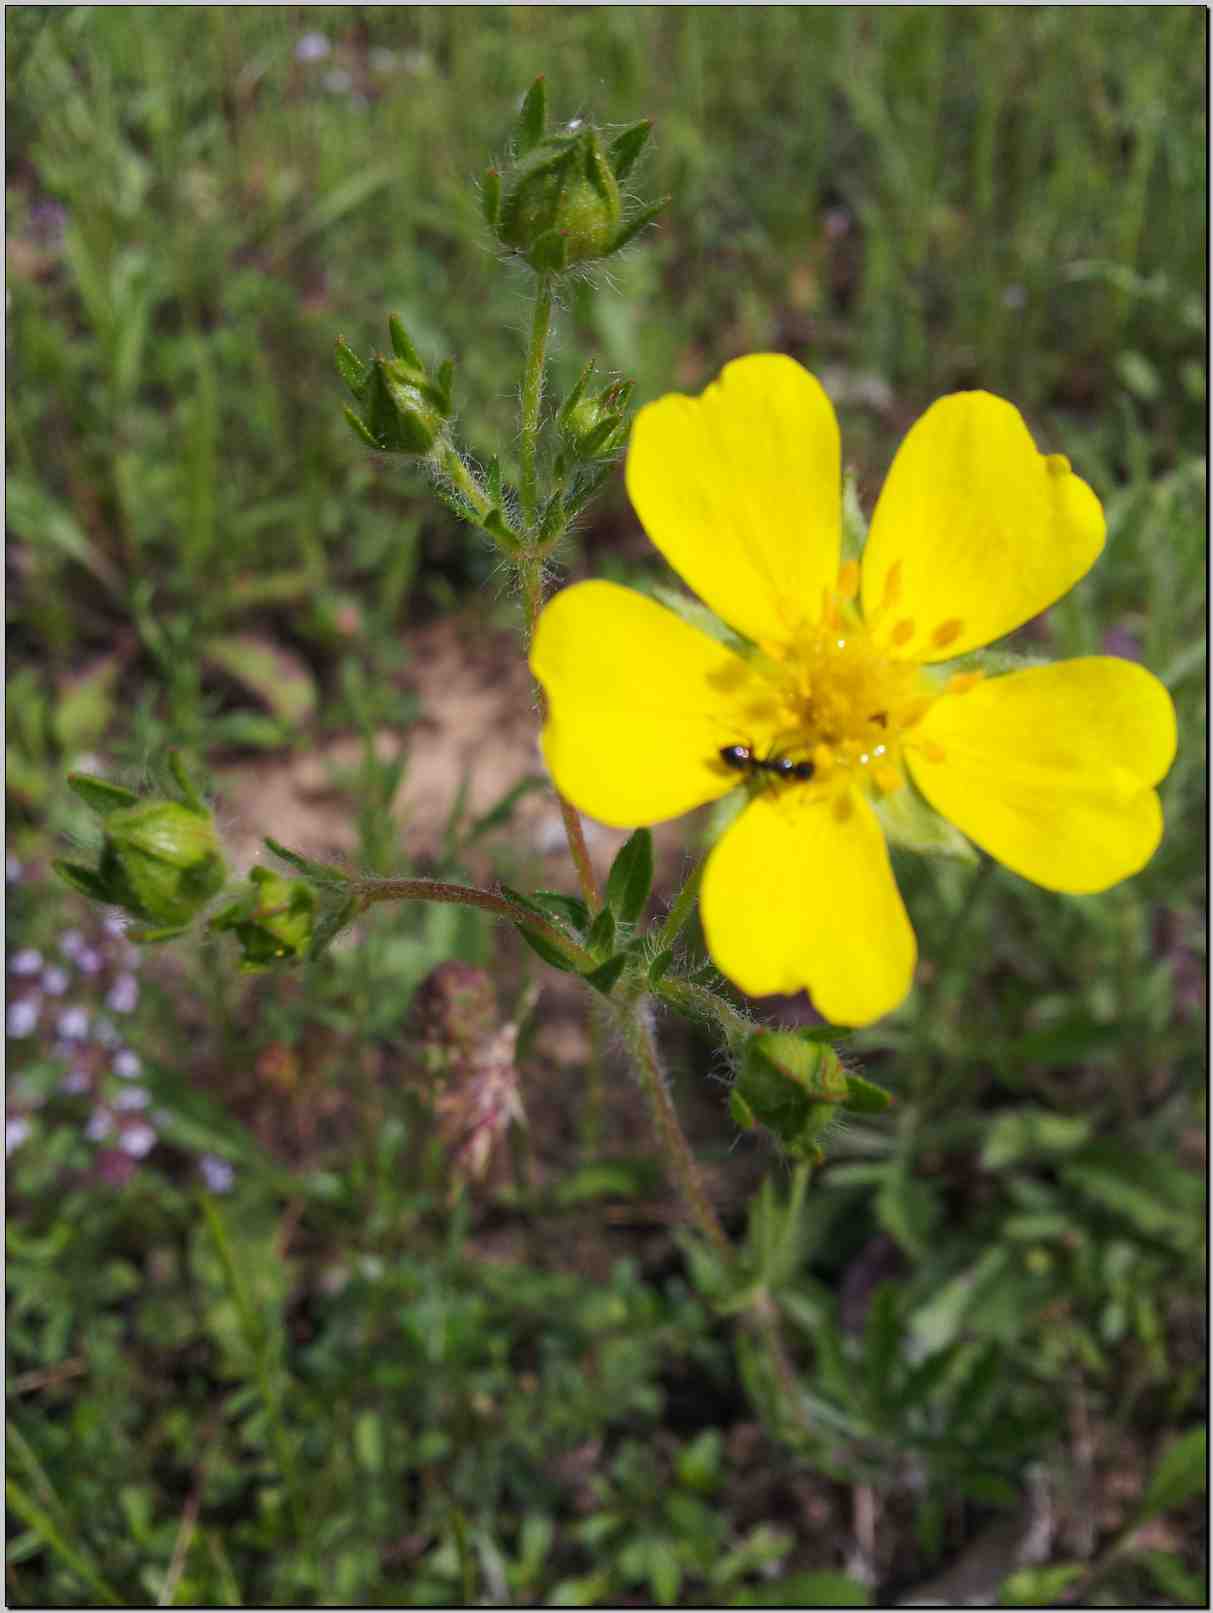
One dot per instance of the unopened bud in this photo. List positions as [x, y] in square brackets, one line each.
[792, 1086]
[272, 919]
[403, 408]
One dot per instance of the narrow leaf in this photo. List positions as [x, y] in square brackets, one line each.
[631, 877]
[100, 795]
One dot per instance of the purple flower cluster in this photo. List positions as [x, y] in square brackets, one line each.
[71, 1004]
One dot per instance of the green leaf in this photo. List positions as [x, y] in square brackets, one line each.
[532, 118]
[631, 877]
[99, 795]
[319, 873]
[1028, 1133]
[277, 677]
[601, 938]
[569, 908]
[545, 949]
[823, 1589]
[1038, 1587]
[864, 1097]
[40, 520]
[604, 977]
[660, 965]
[1180, 1475]
[1174, 1579]
[626, 147]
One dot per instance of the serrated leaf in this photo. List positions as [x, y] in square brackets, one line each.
[631, 877]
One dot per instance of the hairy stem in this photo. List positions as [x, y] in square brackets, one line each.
[532, 392]
[371, 891]
[636, 1027]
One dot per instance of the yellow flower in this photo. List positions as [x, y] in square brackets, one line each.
[1050, 769]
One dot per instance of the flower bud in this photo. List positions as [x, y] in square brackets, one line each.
[594, 425]
[160, 860]
[404, 409]
[561, 204]
[272, 920]
[792, 1086]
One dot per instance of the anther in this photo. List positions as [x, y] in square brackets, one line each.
[902, 633]
[848, 580]
[962, 682]
[947, 632]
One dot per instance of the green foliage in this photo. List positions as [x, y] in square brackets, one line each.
[348, 1378]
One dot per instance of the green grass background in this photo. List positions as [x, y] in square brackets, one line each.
[909, 200]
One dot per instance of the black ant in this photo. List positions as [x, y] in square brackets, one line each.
[741, 759]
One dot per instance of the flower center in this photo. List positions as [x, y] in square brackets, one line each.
[842, 698]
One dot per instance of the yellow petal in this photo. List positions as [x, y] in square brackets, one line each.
[796, 897]
[740, 489]
[1050, 769]
[974, 531]
[639, 705]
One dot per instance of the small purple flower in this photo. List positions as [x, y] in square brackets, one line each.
[123, 995]
[26, 962]
[76, 1081]
[72, 943]
[54, 980]
[16, 1130]
[22, 1017]
[72, 1024]
[127, 1064]
[130, 1098]
[312, 47]
[115, 924]
[216, 1173]
[100, 1124]
[89, 961]
[137, 1139]
[13, 869]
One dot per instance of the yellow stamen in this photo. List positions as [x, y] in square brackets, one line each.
[848, 580]
[902, 633]
[947, 632]
[962, 682]
[886, 778]
[823, 760]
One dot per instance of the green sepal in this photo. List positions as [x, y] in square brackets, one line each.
[659, 966]
[864, 1097]
[99, 795]
[85, 880]
[854, 522]
[604, 977]
[402, 345]
[272, 918]
[532, 118]
[549, 252]
[545, 949]
[631, 877]
[632, 227]
[791, 1086]
[908, 820]
[626, 147]
[350, 367]
[319, 873]
[362, 431]
[570, 908]
[601, 938]
[490, 197]
[330, 924]
[741, 1112]
[184, 780]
